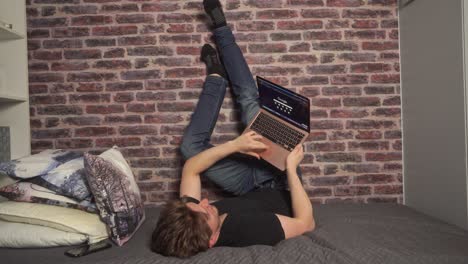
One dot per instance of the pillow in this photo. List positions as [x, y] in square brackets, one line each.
[19, 235]
[38, 164]
[32, 193]
[67, 179]
[116, 193]
[60, 218]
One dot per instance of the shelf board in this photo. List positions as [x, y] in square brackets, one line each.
[6, 33]
[12, 98]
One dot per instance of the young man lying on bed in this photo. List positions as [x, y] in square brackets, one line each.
[263, 211]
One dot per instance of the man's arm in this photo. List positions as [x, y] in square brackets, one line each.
[190, 183]
[303, 220]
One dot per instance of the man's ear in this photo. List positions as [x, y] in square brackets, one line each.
[213, 239]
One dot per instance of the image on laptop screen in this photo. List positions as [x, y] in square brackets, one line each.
[284, 103]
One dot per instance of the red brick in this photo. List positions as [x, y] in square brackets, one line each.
[139, 40]
[89, 98]
[326, 147]
[298, 58]
[316, 80]
[79, 9]
[90, 20]
[349, 79]
[300, 47]
[112, 64]
[276, 14]
[365, 34]
[183, 72]
[176, 107]
[141, 107]
[114, 53]
[383, 156]
[94, 131]
[388, 189]
[82, 54]
[255, 26]
[368, 145]
[47, 99]
[160, 7]
[123, 97]
[38, 33]
[114, 30]
[300, 25]
[124, 86]
[119, 8]
[50, 133]
[335, 45]
[104, 109]
[387, 45]
[379, 90]
[387, 112]
[326, 102]
[275, 70]
[326, 69]
[357, 57]
[38, 67]
[365, 13]
[47, 55]
[345, 3]
[135, 19]
[320, 13]
[330, 180]
[352, 190]
[174, 18]
[326, 124]
[355, 113]
[339, 157]
[385, 78]
[46, 77]
[264, 3]
[82, 121]
[368, 134]
[74, 143]
[128, 119]
[140, 75]
[330, 91]
[361, 101]
[361, 168]
[70, 32]
[138, 130]
[322, 35]
[48, 22]
[365, 24]
[285, 36]
[150, 51]
[180, 28]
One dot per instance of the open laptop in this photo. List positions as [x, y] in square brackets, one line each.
[283, 121]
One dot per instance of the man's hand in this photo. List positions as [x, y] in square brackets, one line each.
[294, 158]
[249, 143]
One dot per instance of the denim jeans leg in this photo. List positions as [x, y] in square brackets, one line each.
[230, 172]
[240, 77]
[198, 133]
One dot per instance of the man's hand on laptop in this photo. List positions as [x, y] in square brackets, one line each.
[250, 144]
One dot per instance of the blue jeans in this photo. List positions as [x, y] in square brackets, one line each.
[237, 173]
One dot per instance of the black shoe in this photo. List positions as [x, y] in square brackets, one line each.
[214, 10]
[213, 65]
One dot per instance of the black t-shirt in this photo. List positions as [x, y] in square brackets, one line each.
[251, 218]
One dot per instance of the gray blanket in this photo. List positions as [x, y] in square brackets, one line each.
[345, 233]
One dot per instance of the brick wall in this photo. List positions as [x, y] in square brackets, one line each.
[127, 72]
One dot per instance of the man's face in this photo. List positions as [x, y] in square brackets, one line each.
[211, 212]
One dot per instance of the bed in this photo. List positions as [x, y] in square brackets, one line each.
[345, 233]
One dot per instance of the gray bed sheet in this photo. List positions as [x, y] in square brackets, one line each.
[345, 233]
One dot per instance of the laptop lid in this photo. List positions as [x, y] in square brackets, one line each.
[285, 104]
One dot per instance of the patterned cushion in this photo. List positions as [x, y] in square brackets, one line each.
[68, 179]
[38, 164]
[116, 193]
[32, 193]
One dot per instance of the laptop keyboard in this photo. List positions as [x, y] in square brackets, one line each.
[277, 132]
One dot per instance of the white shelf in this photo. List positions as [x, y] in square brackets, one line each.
[7, 33]
[12, 99]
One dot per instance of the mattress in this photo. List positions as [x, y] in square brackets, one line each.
[345, 233]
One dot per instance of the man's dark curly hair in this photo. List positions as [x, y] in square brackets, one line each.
[180, 232]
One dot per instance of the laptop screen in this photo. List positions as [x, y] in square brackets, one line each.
[284, 103]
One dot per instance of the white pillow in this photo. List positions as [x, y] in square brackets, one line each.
[19, 235]
[64, 219]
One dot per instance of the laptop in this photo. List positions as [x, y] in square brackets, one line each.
[283, 121]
